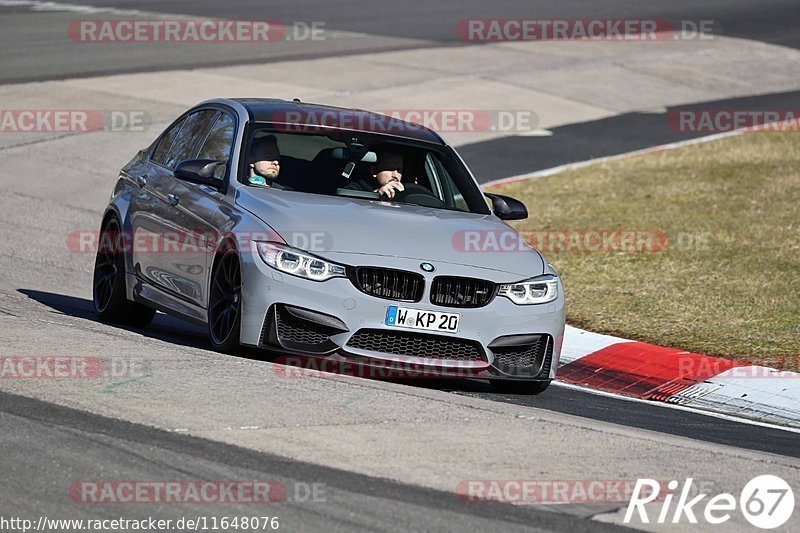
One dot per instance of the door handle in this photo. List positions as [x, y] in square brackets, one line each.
[173, 199]
[141, 181]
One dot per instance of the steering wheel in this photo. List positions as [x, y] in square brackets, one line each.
[413, 193]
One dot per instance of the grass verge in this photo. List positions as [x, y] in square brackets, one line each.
[716, 229]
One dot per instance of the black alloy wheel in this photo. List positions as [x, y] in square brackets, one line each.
[108, 281]
[225, 302]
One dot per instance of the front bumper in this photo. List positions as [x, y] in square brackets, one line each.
[336, 321]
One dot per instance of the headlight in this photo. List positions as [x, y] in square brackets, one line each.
[297, 263]
[538, 290]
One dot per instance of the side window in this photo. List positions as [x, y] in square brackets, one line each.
[193, 132]
[160, 155]
[219, 142]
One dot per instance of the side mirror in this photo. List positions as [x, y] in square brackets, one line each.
[200, 171]
[507, 208]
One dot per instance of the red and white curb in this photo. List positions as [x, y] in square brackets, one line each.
[648, 372]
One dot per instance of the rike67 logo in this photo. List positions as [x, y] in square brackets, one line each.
[767, 502]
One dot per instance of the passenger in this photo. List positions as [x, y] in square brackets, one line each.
[387, 173]
[264, 165]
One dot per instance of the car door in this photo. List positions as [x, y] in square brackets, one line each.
[147, 206]
[160, 253]
[193, 209]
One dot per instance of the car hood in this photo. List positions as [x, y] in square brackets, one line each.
[338, 228]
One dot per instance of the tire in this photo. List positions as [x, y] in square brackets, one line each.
[520, 387]
[108, 282]
[225, 302]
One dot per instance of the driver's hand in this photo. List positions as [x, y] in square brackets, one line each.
[390, 189]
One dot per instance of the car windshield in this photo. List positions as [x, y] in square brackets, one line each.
[347, 163]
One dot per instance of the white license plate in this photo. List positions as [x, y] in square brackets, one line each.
[419, 319]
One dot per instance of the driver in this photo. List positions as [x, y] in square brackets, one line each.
[387, 173]
[264, 165]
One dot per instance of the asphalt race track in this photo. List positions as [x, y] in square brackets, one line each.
[353, 502]
[389, 454]
[411, 24]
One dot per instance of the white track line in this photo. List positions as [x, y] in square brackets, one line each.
[794, 124]
[41, 6]
[678, 407]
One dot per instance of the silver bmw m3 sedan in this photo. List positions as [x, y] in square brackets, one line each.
[328, 233]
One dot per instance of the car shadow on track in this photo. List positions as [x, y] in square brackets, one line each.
[173, 330]
[163, 327]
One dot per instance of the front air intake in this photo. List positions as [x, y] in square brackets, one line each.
[389, 284]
